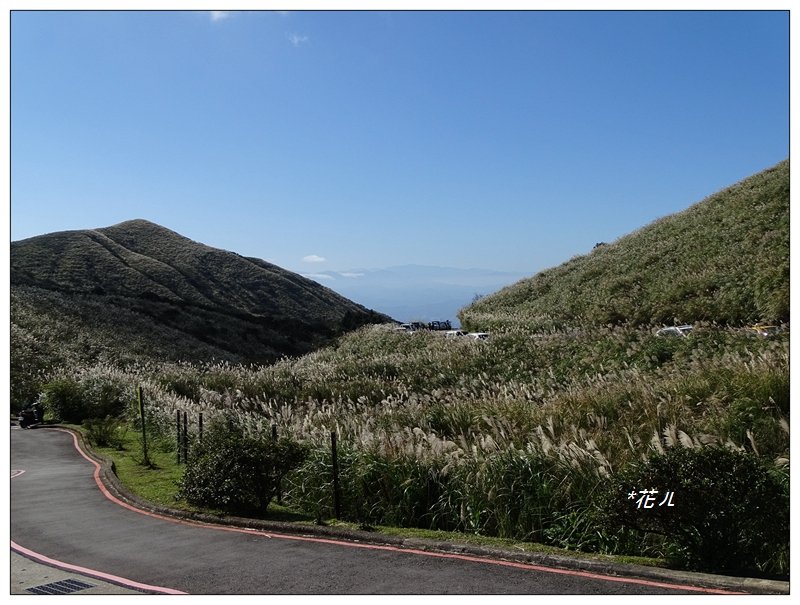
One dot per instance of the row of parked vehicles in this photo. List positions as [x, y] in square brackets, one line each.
[462, 334]
[415, 326]
[444, 327]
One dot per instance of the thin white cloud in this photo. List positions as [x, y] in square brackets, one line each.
[219, 15]
[314, 258]
[352, 275]
[318, 276]
[297, 39]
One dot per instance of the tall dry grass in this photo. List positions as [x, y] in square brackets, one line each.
[512, 437]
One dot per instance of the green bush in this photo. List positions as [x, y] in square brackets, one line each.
[235, 472]
[656, 351]
[511, 494]
[730, 513]
[401, 491]
[103, 397]
[62, 397]
[105, 432]
[374, 489]
[73, 401]
[310, 486]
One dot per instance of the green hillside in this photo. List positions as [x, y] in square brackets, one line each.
[724, 260]
[537, 434]
[138, 290]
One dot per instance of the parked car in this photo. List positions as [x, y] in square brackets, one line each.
[675, 331]
[440, 325]
[454, 334]
[478, 335]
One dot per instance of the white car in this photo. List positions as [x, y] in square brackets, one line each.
[478, 335]
[675, 331]
[454, 334]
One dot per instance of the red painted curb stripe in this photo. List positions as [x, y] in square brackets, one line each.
[91, 572]
[526, 566]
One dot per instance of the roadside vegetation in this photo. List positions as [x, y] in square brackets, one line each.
[523, 436]
[548, 432]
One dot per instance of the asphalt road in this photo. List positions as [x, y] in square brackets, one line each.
[60, 514]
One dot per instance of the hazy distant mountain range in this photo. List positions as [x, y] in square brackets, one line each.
[416, 292]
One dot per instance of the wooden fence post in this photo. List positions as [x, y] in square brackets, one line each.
[278, 483]
[178, 435]
[144, 430]
[185, 436]
[337, 505]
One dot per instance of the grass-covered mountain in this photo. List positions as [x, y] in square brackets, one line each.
[723, 260]
[137, 289]
[534, 435]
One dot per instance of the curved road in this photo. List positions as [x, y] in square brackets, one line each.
[61, 515]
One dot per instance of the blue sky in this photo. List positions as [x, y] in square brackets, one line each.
[341, 140]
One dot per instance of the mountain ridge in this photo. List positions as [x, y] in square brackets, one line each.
[724, 259]
[245, 308]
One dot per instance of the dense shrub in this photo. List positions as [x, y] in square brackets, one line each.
[521, 494]
[511, 494]
[75, 400]
[374, 489]
[104, 396]
[310, 486]
[62, 397]
[236, 472]
[29, 365]
[730, 513]
[105, 432]
[403, 491]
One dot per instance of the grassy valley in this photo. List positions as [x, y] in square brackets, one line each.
[539, 433]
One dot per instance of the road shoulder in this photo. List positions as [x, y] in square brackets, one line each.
[117, 490]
